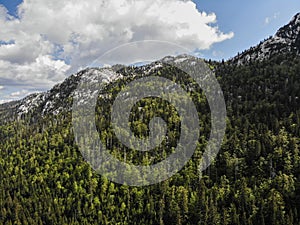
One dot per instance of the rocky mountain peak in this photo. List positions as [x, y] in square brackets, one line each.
[290, 31]
[285, 40]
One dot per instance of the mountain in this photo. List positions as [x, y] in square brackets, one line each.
[286, 40]
[58, 99]
[255, 178]
[54, 101]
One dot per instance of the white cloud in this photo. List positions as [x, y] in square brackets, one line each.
[14, 96]
[1, 87]
[18, 94]
[5, 100]
[217, 53]
[42, 73]
[268, 20]
[57, 37]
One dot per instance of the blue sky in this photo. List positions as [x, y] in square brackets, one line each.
[55, 38]
[11, 6]
[248, 20]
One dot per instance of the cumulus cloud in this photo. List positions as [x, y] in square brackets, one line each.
[51, 39]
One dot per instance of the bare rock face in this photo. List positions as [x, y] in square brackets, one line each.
[286, 40]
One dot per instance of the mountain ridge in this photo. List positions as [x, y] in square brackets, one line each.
[57, 99]
[254, 179]
[285, 40]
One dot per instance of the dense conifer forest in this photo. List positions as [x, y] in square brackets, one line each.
[255, 178]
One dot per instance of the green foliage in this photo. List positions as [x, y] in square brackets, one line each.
[254, 180]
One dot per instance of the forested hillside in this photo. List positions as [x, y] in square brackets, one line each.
[254, 180]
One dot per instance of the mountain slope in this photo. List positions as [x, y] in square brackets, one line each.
[59, 98]
[255, 178]
[286, 40]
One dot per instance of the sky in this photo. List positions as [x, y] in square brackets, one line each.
[42, 42]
